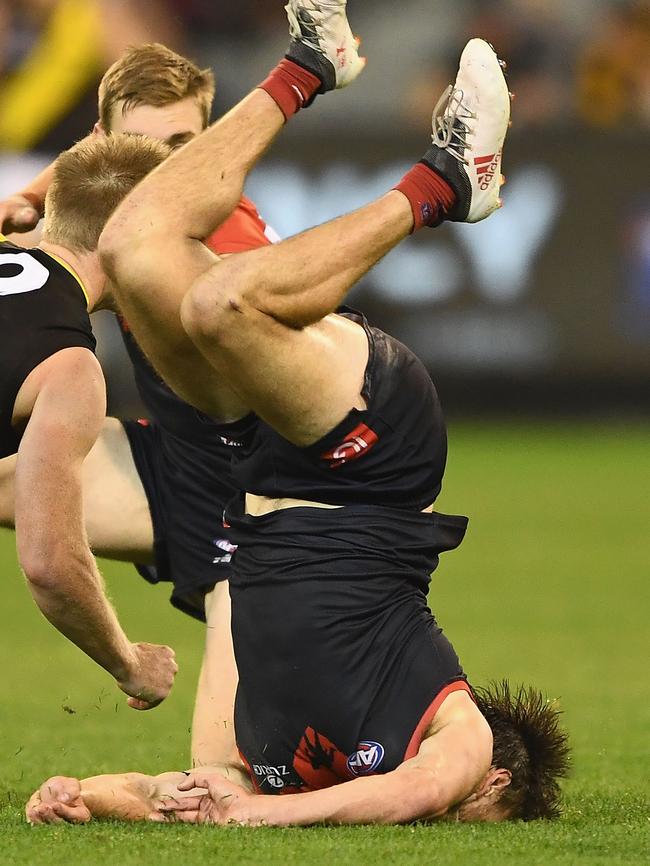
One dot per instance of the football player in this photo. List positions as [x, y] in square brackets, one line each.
[53, 403]
[351, 700]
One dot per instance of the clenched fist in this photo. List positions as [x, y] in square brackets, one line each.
[17, 214]
[57, 801]
[150, 676]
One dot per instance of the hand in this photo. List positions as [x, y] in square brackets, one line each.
[225, 803]
[150, 677]
[58, 800]
[17, 214]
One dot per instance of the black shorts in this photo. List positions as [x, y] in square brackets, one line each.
[187, 488]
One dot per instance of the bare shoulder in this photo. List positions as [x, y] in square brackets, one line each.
[454, 755]
[459, 721]
[72, 374]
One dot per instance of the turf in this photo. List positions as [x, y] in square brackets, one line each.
[550, 586]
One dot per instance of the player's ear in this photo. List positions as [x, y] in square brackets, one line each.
[98, 129]
[496, 781]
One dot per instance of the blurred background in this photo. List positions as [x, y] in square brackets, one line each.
[545, 306]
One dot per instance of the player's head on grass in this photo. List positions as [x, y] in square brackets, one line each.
[153, 91]
[90, 180]
[529, 743]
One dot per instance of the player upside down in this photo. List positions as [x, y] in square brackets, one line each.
[351, 701]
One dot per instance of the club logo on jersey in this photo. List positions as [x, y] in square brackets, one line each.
[366, 759]
[486, 167]
[356, 444]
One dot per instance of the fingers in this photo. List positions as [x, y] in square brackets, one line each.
[58, 800]
[182, 804]
[191, 817]
[137, 704]
[57, 813]
[62, 789]
[43, 813]
[32, 810]
[192, 781]
[151, 676]
[18, 217]
[76, 814]
[198, 779]
[26, 218]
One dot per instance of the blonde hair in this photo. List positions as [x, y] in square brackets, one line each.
[90, 180]
[154, 75]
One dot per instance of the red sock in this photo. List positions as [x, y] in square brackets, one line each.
[429, 195]
[291, 86]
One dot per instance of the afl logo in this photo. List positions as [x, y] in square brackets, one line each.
[366, 759]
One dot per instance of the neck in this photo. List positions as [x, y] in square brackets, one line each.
[87, 269]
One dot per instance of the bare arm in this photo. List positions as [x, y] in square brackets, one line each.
[22, 211]
[123, 796]
[450, 765]
[65, 399]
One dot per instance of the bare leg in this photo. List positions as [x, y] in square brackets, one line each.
[261, 318]
[117, 515]
[152, 246]
[7, 492]
[179, 204]
[118, 520]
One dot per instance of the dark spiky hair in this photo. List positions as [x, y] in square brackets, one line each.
[528, 741]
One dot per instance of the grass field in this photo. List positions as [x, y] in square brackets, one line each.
[551, 586]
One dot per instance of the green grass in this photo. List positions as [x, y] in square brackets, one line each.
[550, 586]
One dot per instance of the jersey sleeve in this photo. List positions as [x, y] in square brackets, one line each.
[243, 230]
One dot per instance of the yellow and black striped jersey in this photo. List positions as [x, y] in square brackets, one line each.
[43, 309]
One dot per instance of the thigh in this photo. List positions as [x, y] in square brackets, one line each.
[118, 519]
[117, 516]
[303, 382]
[7, 473]
[213, 734]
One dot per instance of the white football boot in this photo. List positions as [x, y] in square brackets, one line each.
[470, 123]
[323, 43]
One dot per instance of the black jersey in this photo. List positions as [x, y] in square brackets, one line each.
[391, 453]
[43, 309]
[341, 664]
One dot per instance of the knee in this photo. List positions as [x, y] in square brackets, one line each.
[212, 307]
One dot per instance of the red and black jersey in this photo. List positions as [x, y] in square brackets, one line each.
[243, 230]
[341, 664]
[391, 453]
[43, 309]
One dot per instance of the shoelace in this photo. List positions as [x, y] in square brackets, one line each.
[449, 129]
[305, 29]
